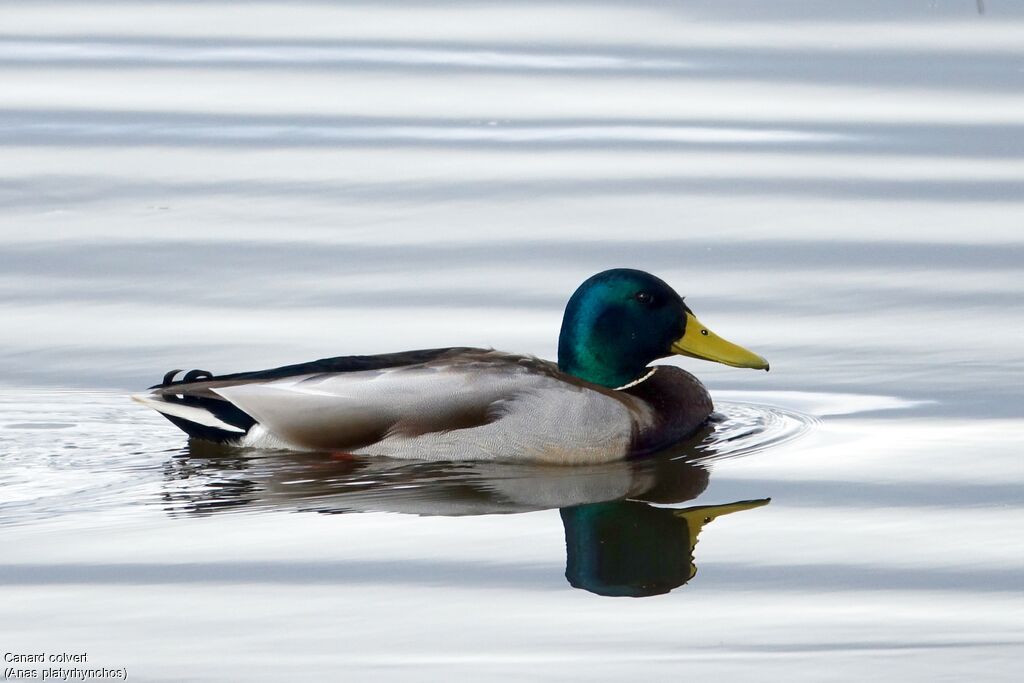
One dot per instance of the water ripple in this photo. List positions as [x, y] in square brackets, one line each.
[207, 53]
[747, 428]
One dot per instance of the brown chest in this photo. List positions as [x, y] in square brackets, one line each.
[680, 405]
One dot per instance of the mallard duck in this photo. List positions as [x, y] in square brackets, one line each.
[601, 401]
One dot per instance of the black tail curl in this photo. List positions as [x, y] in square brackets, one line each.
[190, 376]
[219, 408]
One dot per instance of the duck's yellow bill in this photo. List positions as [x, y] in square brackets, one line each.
[700, 342]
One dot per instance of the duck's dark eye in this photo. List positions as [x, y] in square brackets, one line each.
[645, 298]
[704, 332]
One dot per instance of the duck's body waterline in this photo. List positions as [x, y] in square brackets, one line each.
[601, 402]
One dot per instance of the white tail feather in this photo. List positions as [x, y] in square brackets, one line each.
[190, 413]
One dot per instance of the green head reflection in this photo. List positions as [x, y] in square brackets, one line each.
[632, 549]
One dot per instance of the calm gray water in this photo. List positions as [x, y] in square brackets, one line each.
[838, 186]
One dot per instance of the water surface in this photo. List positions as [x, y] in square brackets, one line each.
[837, 187]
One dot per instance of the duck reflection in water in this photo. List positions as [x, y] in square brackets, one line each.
[619, 541]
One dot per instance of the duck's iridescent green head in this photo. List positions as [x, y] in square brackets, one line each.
[620, 320]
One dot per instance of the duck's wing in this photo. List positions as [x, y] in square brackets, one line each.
[474, 405]
[459, 404]
[193, 404]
